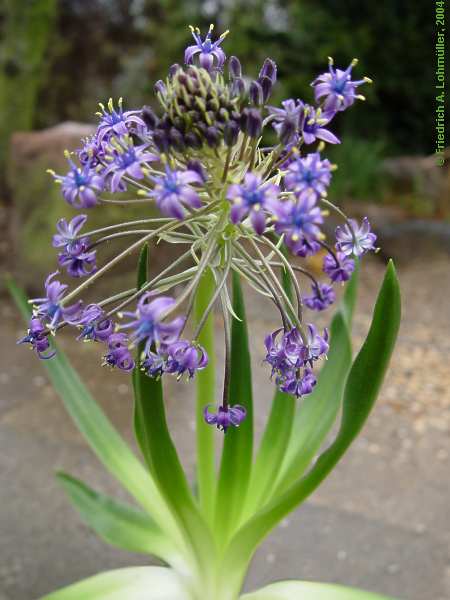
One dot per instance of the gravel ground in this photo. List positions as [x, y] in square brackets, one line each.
[380, 521]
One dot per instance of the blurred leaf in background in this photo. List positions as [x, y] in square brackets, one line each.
[25, 31]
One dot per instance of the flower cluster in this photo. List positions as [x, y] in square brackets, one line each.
[195, 162]
[291, 354]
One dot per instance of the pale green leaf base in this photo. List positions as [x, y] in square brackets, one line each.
[308, 590]
[135, 583]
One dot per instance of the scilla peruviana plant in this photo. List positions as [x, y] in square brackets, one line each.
[242, 210]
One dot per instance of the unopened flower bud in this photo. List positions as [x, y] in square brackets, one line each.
[212, 136]
[238, 87]
[256, 93]
[251, 122]
[160, 87]
[266, 86]
[234, 67]
[231, 133]
[269, 69]
[160, 140]
[176, 139]
[173, 69]
[149, 117]
[192, 140]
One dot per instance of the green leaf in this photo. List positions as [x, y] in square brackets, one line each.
[271, 452]
[103, 438]
[159, 450]
[134, 583]
[238, 443]
[317, 412]
[119, 524]
[350, 296]
[363, 383]
[309, 590]
[206, 394]
[140, 429]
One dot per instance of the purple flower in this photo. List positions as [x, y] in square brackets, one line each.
[147, 325]
[339, 268]
[288, 120]
[251, 199]
[37, 336]
[313, 126]
[317, 345]
[304, 247]
[117, 122]
[81, 186]
[51, 309]
[355, 239]
[299, 222]
[79, 264]
[210, 55]
[154, 364]
[94, 324]
[308, 176]
[92, 152]
[173, 191]
[299, 384]
[321, 298]
[68, 233]
[337, 87]
[76, 257]
[225, 416]
[125, 159]
[184, 357]
[276, 356]
[292, 359]
[119, 354]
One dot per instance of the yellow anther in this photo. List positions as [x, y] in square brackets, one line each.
[330, 61]
[368, 80]
[110, 105]
[355, 61]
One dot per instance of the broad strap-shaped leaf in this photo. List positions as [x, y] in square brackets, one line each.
[237, 451]
[271, 451]
[117, 523]
[206, 394]
[134, 583]
[310, 590]
[159, 450]
[350, 296]
[363, 383]
[316, 414]
[140, 422]
[318, 411]
[103, 438]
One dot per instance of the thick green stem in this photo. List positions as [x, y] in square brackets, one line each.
[206, 477]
